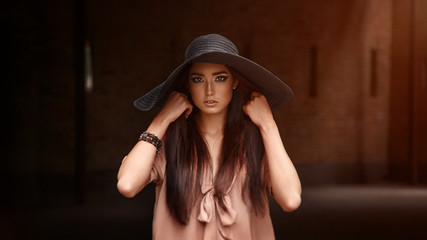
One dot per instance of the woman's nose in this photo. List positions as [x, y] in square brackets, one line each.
[209, 88]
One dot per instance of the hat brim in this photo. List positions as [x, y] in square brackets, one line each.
[276, 91]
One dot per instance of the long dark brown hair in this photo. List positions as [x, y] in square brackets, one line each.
[187, 155]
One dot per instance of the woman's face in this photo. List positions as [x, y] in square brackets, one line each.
[211, 87]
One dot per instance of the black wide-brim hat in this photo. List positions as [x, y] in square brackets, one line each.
[214, 48]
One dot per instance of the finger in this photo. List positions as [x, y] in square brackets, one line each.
[183, 95]
[245, 109]
[178, 94]
[175, 93]
[189, 110]
[255, 94]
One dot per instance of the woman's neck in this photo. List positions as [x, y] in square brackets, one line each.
[211, 124]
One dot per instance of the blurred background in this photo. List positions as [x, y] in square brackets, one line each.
[356, 128]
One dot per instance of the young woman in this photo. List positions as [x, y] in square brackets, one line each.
[213, 148]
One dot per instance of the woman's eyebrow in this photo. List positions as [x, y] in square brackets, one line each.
[197, 74]
[213, 74]
[218, 73]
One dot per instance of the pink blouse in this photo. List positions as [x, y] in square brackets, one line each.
[208, 220]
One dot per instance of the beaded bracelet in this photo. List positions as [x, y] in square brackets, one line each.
[151, 138]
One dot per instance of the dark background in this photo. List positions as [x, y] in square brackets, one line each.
[356, 128]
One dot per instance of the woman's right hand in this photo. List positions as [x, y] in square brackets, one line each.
[175, 106]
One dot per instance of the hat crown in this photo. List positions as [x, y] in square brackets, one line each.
[210, 43]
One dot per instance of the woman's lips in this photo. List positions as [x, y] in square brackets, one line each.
[210, 103]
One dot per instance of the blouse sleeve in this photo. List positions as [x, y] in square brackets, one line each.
[159, 168]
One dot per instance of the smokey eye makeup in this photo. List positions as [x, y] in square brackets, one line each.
[219, 77]
[196, 79]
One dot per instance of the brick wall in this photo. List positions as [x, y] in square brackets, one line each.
[335, 128]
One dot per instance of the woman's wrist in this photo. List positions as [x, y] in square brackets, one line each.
[268, 126]
[158, 127]
[151, 138]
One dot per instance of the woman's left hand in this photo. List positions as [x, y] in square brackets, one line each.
[258, 109]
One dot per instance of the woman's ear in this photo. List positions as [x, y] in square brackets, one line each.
[235, 83]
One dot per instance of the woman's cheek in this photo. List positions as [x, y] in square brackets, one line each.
[196, 97]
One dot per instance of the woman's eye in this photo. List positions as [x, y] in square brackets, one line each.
[221, 78]
[197, 79]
